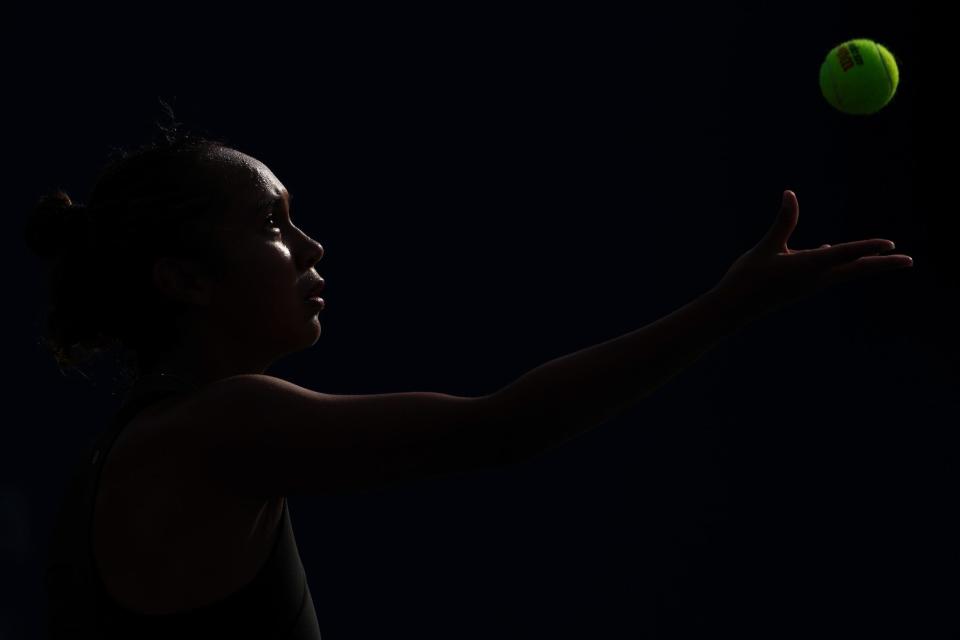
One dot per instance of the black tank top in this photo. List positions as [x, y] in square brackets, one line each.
[276, 604]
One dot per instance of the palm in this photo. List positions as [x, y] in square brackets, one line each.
[772, 274]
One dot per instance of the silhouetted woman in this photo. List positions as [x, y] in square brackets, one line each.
[186, 256]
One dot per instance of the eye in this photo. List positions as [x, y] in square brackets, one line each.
[272, 216]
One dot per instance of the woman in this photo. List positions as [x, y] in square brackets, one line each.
[187, 257]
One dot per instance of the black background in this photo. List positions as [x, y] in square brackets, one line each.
[494, 190]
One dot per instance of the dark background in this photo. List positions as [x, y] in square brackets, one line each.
[497, 190]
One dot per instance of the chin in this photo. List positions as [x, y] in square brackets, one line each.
[317, 329]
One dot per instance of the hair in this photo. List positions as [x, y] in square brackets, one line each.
[98, 258]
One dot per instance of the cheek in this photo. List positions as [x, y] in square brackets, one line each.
[262, 282]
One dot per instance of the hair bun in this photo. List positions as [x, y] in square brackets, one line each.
[55, 222]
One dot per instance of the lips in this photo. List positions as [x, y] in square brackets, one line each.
[315, 291]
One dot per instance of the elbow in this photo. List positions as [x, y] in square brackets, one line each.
[509, 440]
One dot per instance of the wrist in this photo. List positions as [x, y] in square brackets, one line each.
[736, 308]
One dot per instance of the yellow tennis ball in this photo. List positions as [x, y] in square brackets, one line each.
[859, 77]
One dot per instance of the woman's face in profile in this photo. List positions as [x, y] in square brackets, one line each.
[261, 298]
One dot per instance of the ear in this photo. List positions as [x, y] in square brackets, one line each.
[182, 279]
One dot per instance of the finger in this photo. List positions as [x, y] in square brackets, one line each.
[808, 250]
[867, 266]
[846, 252]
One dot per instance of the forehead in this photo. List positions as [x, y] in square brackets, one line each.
[247, 180]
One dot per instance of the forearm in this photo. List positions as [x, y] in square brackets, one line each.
[575, 393]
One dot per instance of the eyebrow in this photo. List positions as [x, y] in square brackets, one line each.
[269, 202]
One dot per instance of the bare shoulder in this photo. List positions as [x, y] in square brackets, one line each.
[263, 436]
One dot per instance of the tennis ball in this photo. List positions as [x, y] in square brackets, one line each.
[859, 77]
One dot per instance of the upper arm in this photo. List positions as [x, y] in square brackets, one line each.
[258, 435]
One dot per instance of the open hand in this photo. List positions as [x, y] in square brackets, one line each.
[771, 275]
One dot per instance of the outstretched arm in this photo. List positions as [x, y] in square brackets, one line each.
[575, 393]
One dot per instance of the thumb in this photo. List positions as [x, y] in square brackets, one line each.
[785, 223]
